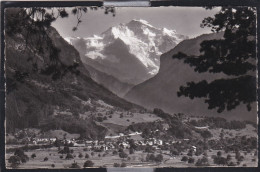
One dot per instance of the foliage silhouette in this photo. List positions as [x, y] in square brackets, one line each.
[34, 24]
[88, 163]
[15, 161]
[234, 56]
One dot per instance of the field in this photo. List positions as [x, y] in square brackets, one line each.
[136, 160]
[116, 120]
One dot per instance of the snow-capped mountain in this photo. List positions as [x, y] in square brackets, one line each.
[130, 52]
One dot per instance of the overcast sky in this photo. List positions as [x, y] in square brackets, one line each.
[185, 20]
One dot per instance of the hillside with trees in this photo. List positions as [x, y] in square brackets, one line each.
[35, 73]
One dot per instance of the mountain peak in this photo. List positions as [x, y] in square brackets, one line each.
[143, 44]
[169, 32]
[139, 22]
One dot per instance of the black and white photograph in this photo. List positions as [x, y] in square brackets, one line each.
[132, 87]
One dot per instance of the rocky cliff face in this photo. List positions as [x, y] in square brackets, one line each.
[161, 90]
[108, 81]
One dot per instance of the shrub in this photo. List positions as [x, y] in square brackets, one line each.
[99, 119]
[74, 165]
[115, 152]
[190, 153]
[65, 150]
[205, 153]
[255, 154]
[61, 157]
[116, 165]
[150, 157]
[199, 151]
[220, 160]
[69, 156]
[88, 163]
[15, 161]
[231, 164]
[149, 149]
[87, 155]
[238, 156]
[33, 155]
[174, 152]
[241, 158]
[52, 165]
[219, 153]
[131, 151]
[206, 134]
[123, 155]
[45, 159]
[191, 160]
[213, 156]
[57, 143]
[123, 165]
[184, 158]
[228, 157]
[80, 155]
[202, 162]
[159, 158]
[20, 153]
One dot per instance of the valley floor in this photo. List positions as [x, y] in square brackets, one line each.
[107, 159]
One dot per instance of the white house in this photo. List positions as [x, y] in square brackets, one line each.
[135, 133]
[111, 137]
[79, 145]
[202, 128]
[194, 148]
[159, 142]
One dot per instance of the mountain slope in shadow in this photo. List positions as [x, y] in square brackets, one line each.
[161, 90]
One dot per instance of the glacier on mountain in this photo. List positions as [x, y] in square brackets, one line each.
[144, 42]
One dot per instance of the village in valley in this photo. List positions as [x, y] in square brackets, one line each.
[146, 148]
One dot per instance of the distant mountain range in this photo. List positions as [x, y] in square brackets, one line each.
[128, 52]
[161, 90]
